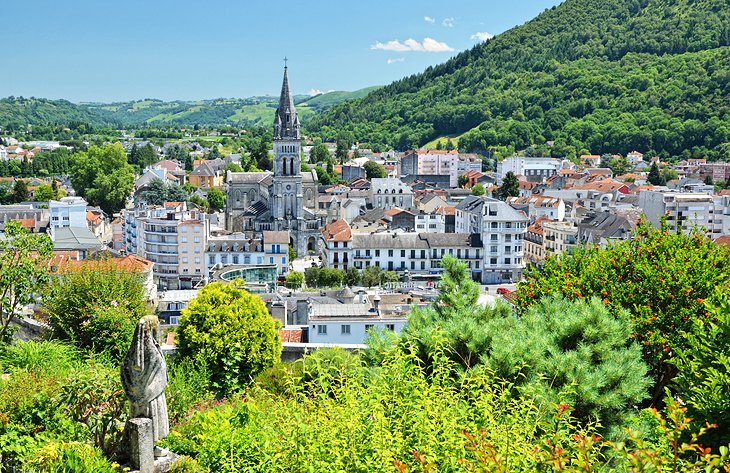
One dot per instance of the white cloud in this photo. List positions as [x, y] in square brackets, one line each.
[482, 36]
[394, 60]
[448, 22]
[313, 92]
[429, 45]
[429, 19]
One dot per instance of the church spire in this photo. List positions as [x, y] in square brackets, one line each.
[286, 121]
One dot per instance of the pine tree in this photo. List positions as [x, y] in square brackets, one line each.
[655, 178]
[510, 186]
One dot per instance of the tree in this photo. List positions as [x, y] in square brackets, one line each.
[478, 190]
[660, 278]
[708, 180]
[463, 181]
[157, 192]
[620, 166]
[311, 276]
[233, 167]
[216, 199]
[344, 142]
[371, 276]
[510, 186]
[291, 253]
[230, 330]
[44, 193]
[294, 280]
[655, 178]
[331, 277]
[374, 169]
[20, 191]
[352, 277]
[23, 270]
[142, 156]
[577, 353]
[319, 153]
[103, 177]
[387, 277]
[96, 307]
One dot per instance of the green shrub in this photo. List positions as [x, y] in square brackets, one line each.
[185, 464]
[69, 457]
[96, 308]
[281, 378]
[51, 357]
[232, 332]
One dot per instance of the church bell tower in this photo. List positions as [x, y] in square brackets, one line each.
[287, 200]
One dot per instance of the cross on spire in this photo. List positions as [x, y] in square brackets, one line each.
[285, 60]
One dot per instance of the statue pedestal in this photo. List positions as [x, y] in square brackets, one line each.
[141, 444]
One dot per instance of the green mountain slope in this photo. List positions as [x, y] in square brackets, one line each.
[592, 75]
[17, 113]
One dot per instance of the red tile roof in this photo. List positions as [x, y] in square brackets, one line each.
[338, 230]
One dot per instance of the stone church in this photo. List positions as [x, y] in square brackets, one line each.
[285, 200]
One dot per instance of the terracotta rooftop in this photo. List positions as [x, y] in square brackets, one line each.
[338, 230]
[64, 263]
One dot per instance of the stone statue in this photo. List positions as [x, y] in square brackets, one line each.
[144, 377]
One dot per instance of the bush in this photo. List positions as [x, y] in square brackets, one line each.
[69, 457]
[96, 309]
[229, 329]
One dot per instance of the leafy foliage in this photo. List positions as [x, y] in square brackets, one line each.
[103, 177]
[374, 169]
[510, 186]
[294, 279]
[662, 279]
[96, 308]
[23, 270]
[231, 331]
[216, 199]
[703, 379]
[157, 192]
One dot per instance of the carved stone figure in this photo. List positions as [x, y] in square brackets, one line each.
[144, 377]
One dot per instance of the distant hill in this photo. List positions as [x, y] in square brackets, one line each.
[16, 113]
[590, 75]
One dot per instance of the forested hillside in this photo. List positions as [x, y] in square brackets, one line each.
[18, 112]
[592, 75]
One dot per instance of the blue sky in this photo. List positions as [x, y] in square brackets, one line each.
[104, 50]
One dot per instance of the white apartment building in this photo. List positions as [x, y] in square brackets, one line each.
[237, 249]
[501, 229]
[534, 169]
[686, 210]
[173, 238]
[345, 324]
[432, 162]
[540, 206]
[3, 153]
[430, 223]
[558, 237]
[389, 192]
[67, 212]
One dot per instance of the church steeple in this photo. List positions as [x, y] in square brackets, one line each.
[286, 121]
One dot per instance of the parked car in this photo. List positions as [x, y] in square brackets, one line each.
[503, 290]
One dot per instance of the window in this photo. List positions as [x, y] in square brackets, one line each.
[183, 229]
[185, 259]
[377, 252]
[492, 261]
[197, 240]
[197, 260]
[321, 330]
[211, 259]
[283, 260]
[507, 261]
[235, 259]
[196, 229]
[402, 253]
[345, 329]
[390, 253]
[185, 249]
[390, 327]
[183, 239]
[271, 260]
[368, 327]
[174, 320]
